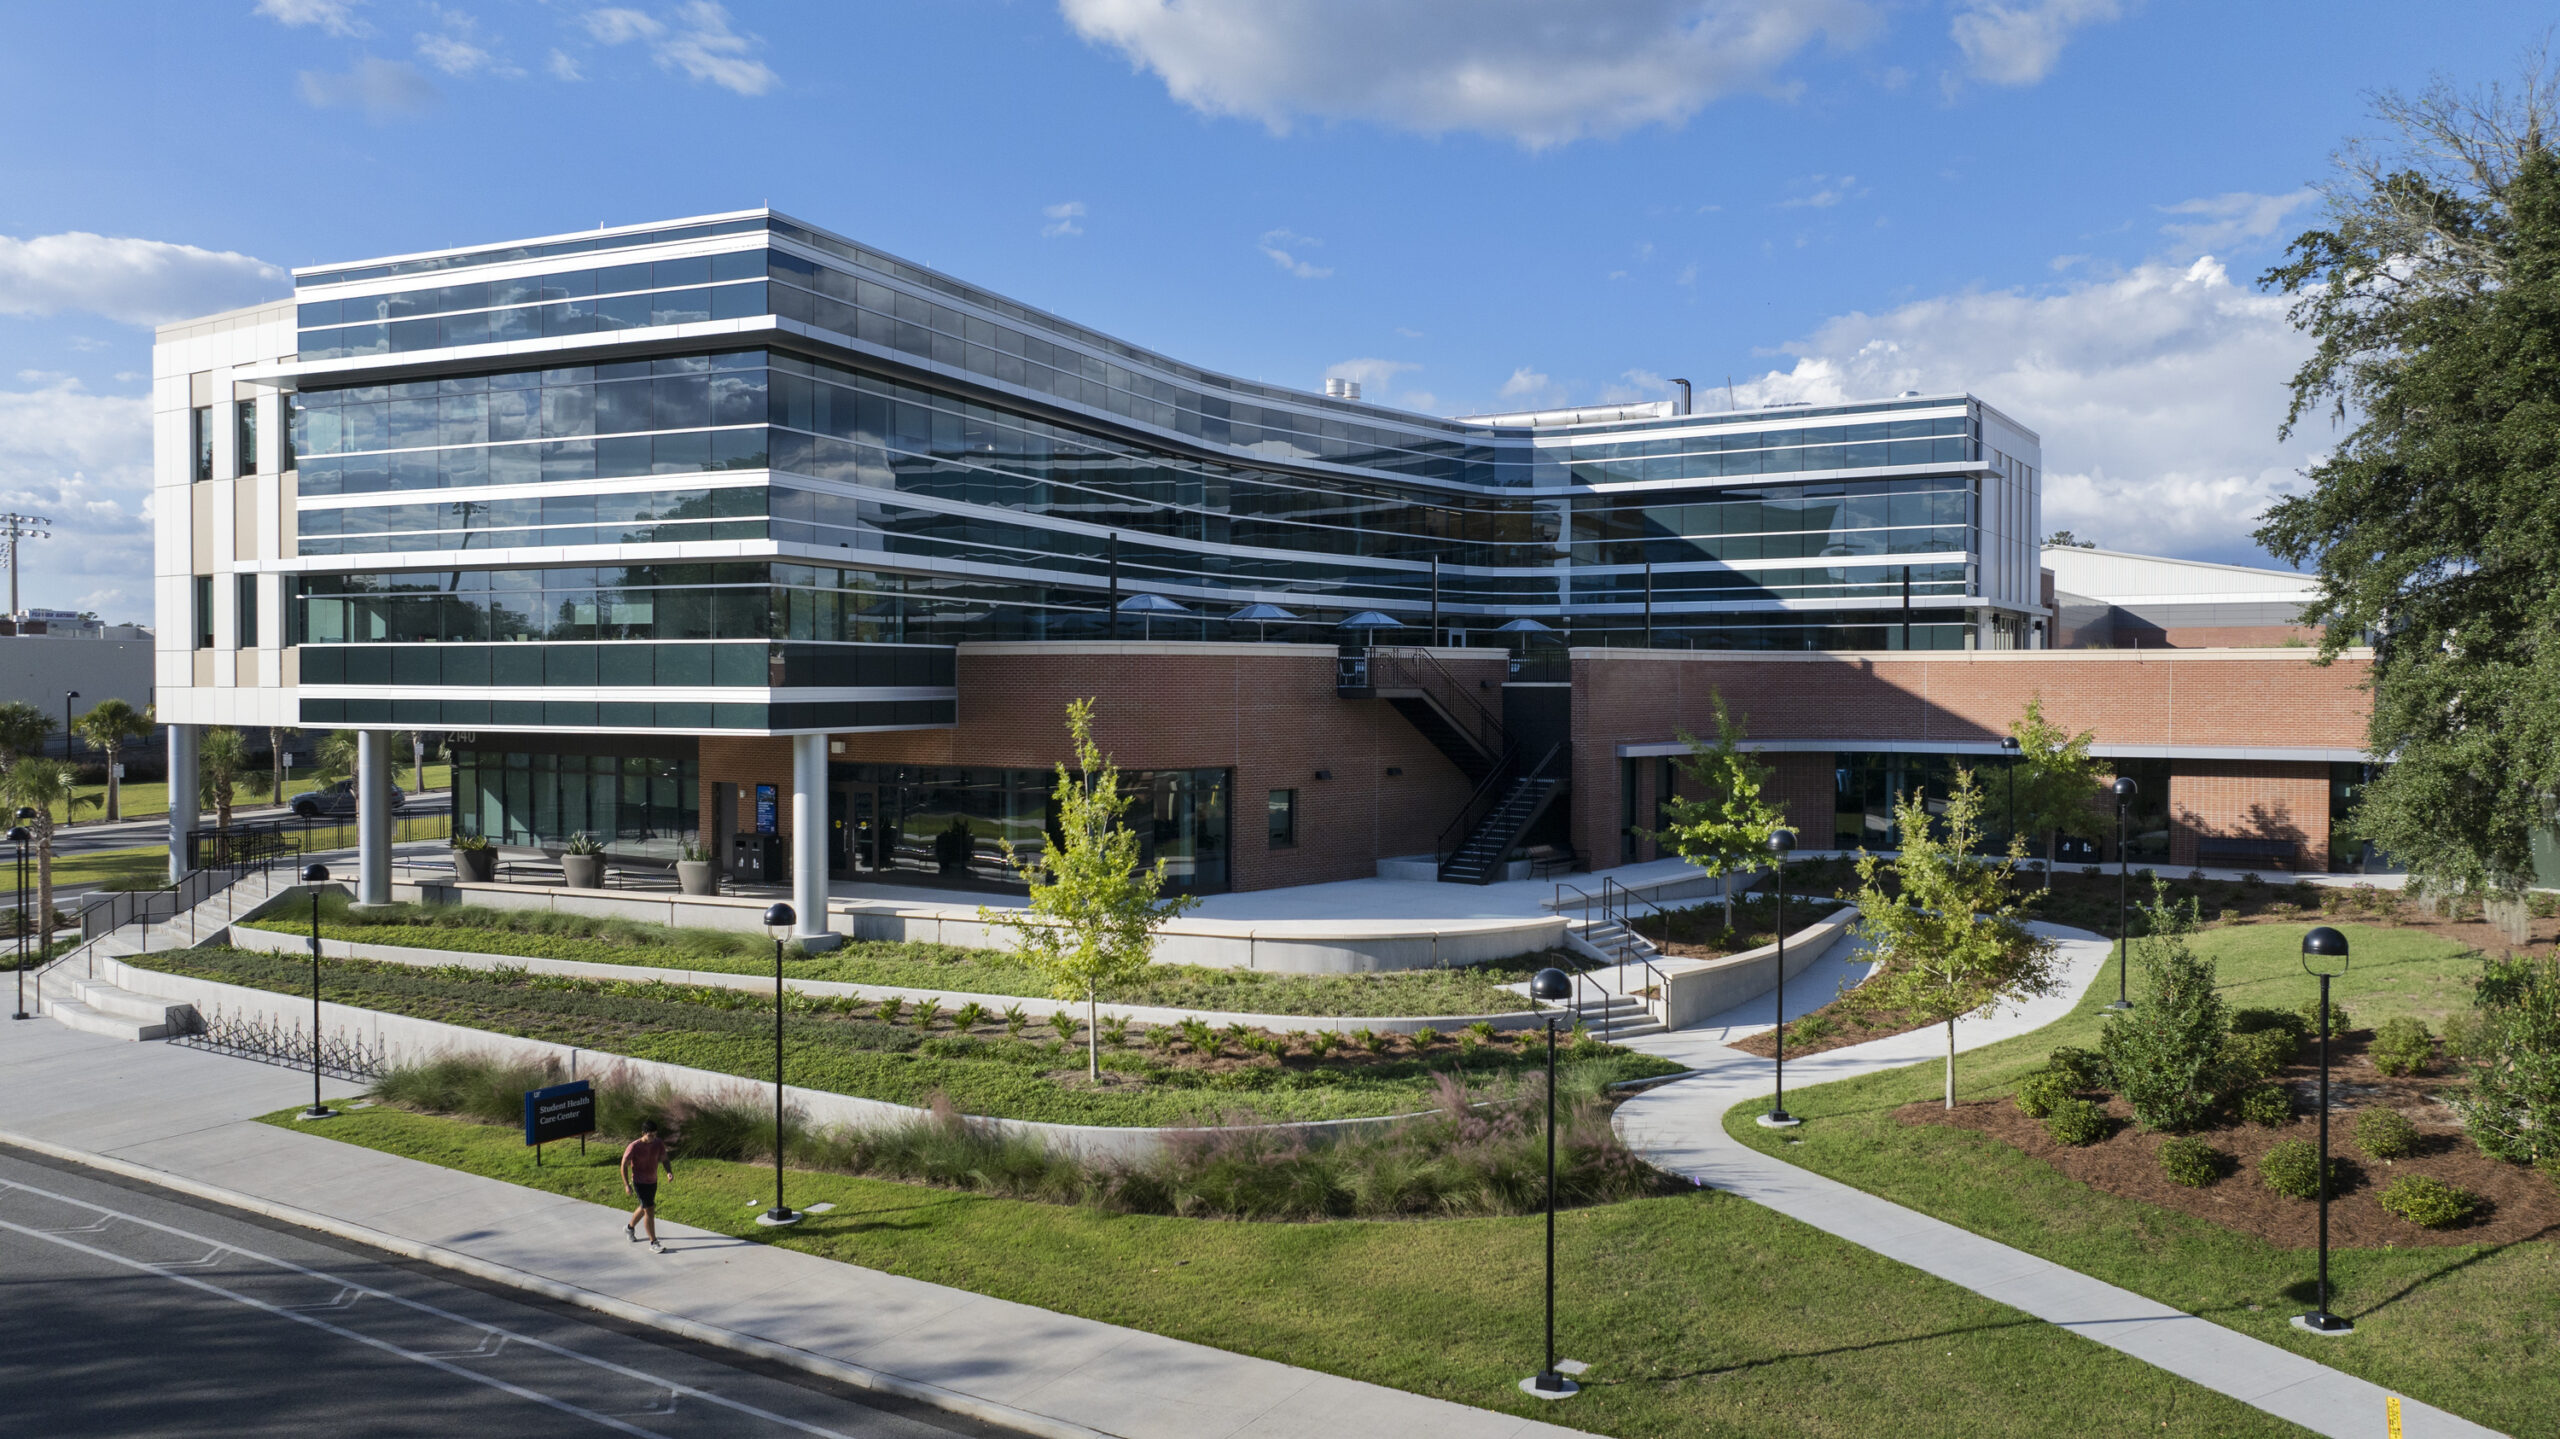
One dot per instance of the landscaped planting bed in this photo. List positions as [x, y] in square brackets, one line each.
[2467, 1317]
[1699, 932]
[982, 1063]
[1700, 1313]
[541, 934]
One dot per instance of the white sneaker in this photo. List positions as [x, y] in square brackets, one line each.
[656, 1248]
[631, 1232]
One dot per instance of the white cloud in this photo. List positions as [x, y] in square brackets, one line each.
[699, 43]
[84, 461]
[138, 282]
[1283, 247]
[617, 26]
[452, 54]
[1531, 387]
[2019, 44]
[1821, 192]
[563, 66]
[381, 88]
[2228, 220]
[336, 17]
[2157, 392]
[1369, 373]
[1062, 219]
[1526, 70]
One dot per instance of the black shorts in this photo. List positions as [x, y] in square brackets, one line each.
[648, 1194]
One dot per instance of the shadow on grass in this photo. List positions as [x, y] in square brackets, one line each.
[1747, 1365]
[2308, 1290]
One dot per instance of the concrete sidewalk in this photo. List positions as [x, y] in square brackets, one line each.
[1680, 1127]
[182, 1118]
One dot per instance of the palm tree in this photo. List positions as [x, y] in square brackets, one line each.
[335, 759]
[22, 730]
[108, 726]
[222, 757]
[39, 784]
[264, 785]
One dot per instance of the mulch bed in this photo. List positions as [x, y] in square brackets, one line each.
[2516, 1203]
[1853, 1028]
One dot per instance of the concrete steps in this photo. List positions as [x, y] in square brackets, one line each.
[1623, 1015]
[102, 1008]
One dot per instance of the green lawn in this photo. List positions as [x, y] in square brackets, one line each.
[845, 1046]
[143, 799]
[1700, 1315]
[2474, 1329]
[913, 965]
[146, 867]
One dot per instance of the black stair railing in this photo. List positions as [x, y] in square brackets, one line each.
[1398, 669]
[1489, 796]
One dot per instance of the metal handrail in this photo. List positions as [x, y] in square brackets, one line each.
[1486, 795]
[1388, 664]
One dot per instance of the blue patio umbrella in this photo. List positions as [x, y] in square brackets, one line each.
[1261, 615]
[1371, 620]
[1148, 607]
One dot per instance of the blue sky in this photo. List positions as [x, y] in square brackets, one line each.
[2059, 204]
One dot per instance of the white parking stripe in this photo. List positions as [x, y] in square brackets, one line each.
[493, 1336]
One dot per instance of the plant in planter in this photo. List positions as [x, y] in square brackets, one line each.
[582, 861]
[474, 860]
[695, 873]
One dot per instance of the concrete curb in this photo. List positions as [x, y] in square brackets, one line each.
[836, 1369]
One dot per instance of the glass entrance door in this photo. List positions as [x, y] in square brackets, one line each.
[857, 830]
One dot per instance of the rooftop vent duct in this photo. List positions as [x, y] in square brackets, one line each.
[1685, 395]
[1341, 389]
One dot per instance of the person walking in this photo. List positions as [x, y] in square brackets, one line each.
[641, 1160]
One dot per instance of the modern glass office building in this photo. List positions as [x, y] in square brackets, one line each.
[735, 476]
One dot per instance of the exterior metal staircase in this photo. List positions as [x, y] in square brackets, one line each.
[1434, 701]
[1475, 845]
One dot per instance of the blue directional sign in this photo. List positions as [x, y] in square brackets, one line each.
[564, 1111]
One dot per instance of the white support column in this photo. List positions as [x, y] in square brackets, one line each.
[809, 840]
[373, 817]
[183, 815]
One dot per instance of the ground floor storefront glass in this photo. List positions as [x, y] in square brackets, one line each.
[644, 807]
[1868, 784]
[948, 825]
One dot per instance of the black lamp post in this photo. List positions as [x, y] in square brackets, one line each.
[2324, 953]
[2125, 791]
[1551, 986]
[778, 919]
[1781, 842]
[315, 876]
[18, 837]
[2009, 753]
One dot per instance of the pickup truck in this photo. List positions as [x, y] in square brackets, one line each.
[336, 800]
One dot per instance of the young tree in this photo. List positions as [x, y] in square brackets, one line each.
[2055, 780]
[23, 727]
[276, 736]
[2165, 1057]
[1094, 912]
[2512, 1105]
[1724, 827]
[39, 784]
[1954, 941]
[109, 726]
[2432, 294]
[222, 758]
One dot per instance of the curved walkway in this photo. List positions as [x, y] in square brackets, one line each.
[1680, 1127]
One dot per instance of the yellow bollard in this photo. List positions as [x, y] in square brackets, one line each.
[2391, 1410]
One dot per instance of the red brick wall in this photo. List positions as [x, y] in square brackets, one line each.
[2169, 698]
[746, 761]
[2250, 800]
[1267, 712]
[1807, 790]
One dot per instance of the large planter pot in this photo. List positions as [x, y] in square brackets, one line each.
[584, 871]
[475, 866]
[697, 876]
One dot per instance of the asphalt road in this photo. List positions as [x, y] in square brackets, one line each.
[127, 1310]
[90, 837]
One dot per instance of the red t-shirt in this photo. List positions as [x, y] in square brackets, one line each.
[644, 1156]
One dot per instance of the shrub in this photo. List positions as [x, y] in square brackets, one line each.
[1424, 1038]
[2261, 1021]
[1064, 1022]
[889, 1009]
[2402, 1046]
[2086, 1068]
[927, 1011]
[2076, 1122]
[2292, 1168]
[2512, 1107]
[2254, 1058]
[1321, 1042]
[2386, 1134]
[1372, 1040]
[2227, 915]
[2270, 1105]
[968, 1016]
[1115, 1030]
[2310, 1015]
[2428, 1203]
[2462, 1035]
[2040, 1092]
[2190, 1161]
[1016, 1019]
[1482, 1029]
[2165, 1058]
